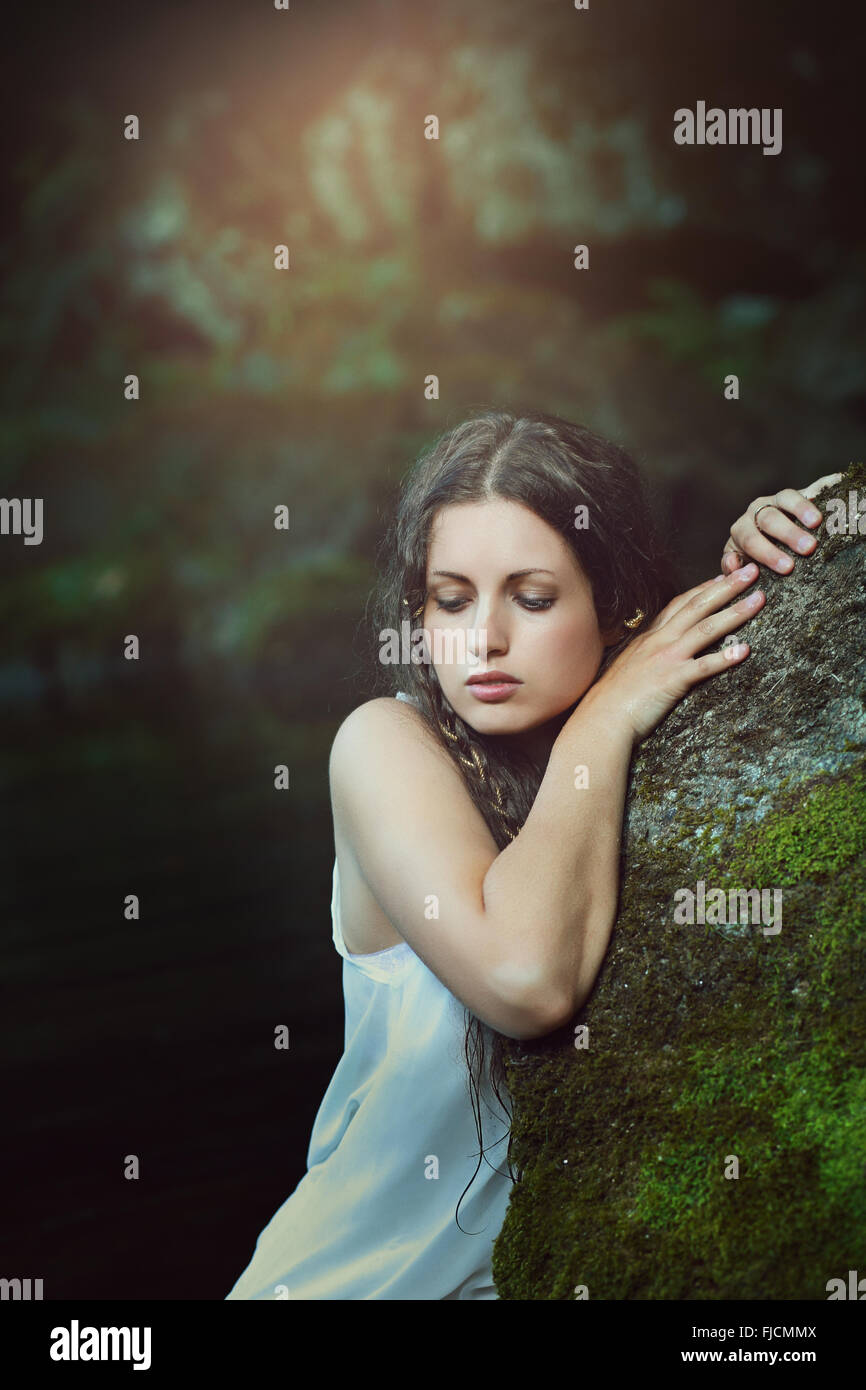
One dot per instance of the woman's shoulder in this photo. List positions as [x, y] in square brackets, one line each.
[381, 726]
[380, 711]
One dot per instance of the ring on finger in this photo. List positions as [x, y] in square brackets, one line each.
[757, 513]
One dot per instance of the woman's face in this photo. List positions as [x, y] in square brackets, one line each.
[540, 625]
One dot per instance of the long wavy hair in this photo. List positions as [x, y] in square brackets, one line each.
[551, 466]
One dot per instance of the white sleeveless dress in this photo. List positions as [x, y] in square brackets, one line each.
[393, 1146]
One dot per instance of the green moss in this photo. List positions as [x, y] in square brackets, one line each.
[754, 1047]
[812, 840]
[790, 1095]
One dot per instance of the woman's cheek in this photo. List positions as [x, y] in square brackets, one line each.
[573, 654]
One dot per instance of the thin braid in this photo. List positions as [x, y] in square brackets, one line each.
[478, 1033]
[475, 765]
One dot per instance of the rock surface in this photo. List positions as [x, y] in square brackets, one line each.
[710, 1140]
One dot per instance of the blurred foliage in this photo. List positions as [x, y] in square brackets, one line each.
[408, 256]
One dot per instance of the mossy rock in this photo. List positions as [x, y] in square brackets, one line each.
[735, 1046]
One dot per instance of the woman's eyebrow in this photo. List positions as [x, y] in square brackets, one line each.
[517, 574]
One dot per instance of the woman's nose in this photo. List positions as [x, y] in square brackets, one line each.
[489, 632]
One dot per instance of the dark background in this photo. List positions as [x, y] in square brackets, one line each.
[306, 388]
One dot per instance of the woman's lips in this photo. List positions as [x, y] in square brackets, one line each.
[491, 692]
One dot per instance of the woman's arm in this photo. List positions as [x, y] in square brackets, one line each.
[554, 889]
[560, 877]
[423, 848]
[518, 935]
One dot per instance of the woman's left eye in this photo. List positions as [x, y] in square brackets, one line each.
[537, 603]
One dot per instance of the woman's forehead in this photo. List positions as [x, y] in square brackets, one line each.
[495, 534]
[493, 516]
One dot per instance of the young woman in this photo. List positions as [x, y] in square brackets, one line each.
[474, 870]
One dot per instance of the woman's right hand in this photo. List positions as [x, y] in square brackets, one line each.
[660, 665]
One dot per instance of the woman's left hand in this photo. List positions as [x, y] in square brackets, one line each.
[749, 539]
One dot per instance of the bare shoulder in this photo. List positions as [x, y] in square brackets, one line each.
[385, 709]
[416, 850]
[393, 783]
[378, 727]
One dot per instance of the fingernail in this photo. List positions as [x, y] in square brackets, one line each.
[748, 569]
[737, 649]
[812, 516]
[785, 564]
[805, 543]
